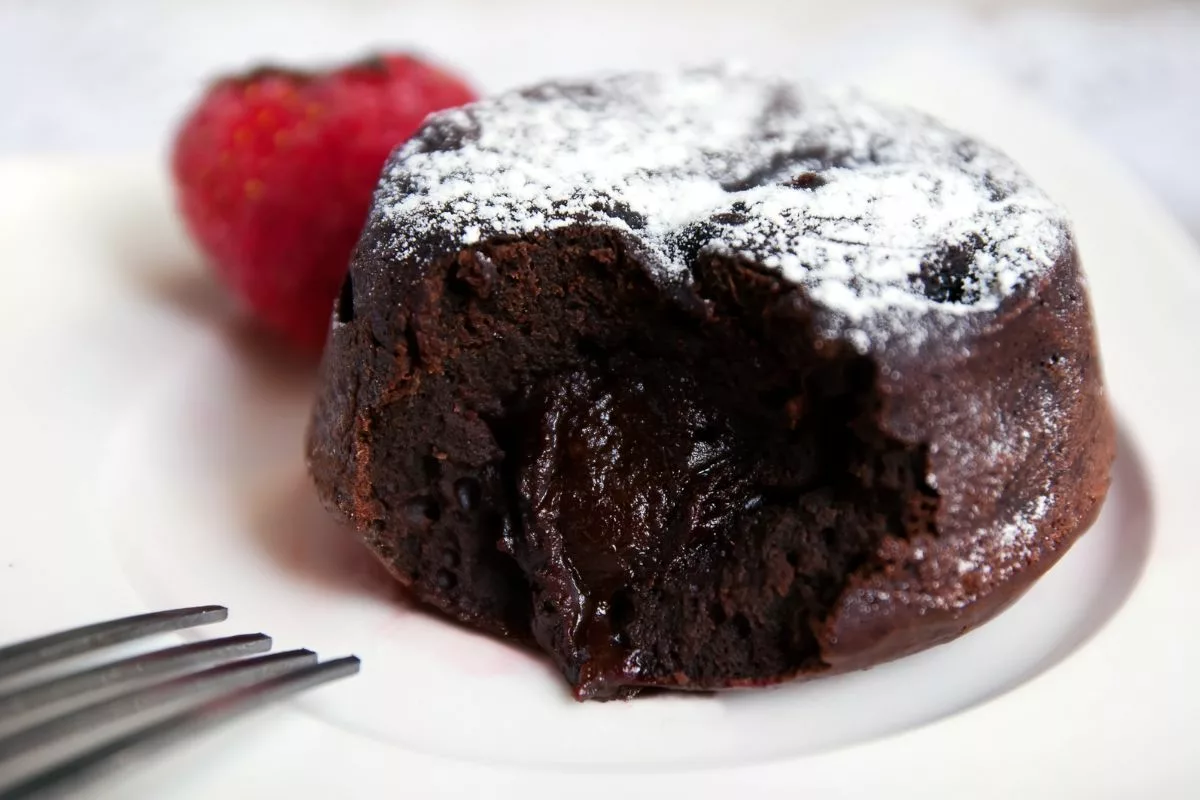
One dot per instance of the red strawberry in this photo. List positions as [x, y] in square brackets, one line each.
[274, 172]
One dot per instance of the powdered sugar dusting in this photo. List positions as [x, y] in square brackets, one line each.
[959, 570]
[880, 214]
[1015, 538]
[986, 560]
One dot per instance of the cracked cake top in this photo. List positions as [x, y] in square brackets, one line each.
[883, 216]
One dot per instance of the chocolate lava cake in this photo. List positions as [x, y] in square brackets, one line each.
[706, 380]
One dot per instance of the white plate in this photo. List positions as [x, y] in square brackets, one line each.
[153, 458]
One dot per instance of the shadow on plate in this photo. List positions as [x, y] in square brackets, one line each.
[291, 526]
[199, 298]
[286, 518]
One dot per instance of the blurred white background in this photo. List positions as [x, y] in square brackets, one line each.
[113, 77]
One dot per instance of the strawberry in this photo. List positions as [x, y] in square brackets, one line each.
[274, 171]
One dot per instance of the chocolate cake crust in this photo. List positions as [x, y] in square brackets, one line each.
[711, 416]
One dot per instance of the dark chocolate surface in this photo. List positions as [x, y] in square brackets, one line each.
[693, 480]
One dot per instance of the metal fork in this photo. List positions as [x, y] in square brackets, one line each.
[184, 689]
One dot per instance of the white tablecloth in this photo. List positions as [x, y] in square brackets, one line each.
[114, 76]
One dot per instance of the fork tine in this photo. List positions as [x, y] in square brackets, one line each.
[46, 649]
[155, 664]
[197, 685]
[165, 732]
